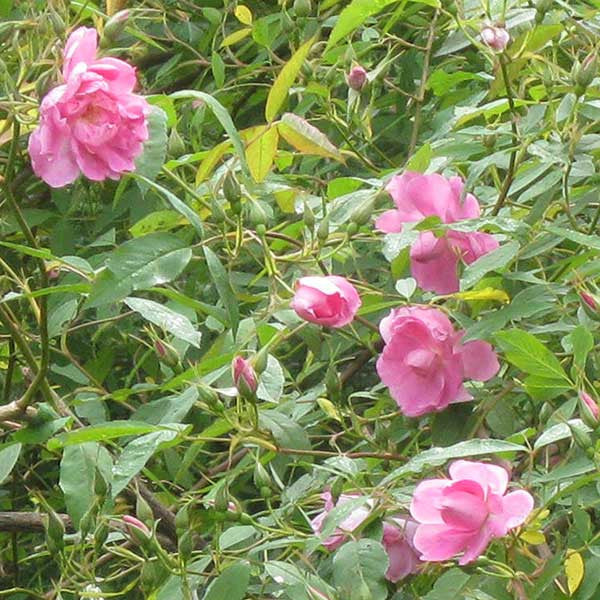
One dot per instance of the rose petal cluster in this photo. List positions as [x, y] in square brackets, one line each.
[398, 541]
[93, 123]
[330, 301]
[353, 521]
[398, 533]
[424, 362]
[434, 260]
[461, 515]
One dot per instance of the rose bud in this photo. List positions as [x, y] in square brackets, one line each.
[588, 409]
[137, 530]
[330, 301]
[590, 305]
[244, 377]
[356, 78]
[496, 38]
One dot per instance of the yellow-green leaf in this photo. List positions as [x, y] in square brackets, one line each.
[285, 79]
[260, 153]
[236, 36]
[574, 570]
[243, 14]
[487, 293]
[306, 138]
[210, 161]
[329, 408]
[533, 537]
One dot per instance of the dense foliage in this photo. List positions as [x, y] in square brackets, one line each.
[192, 407]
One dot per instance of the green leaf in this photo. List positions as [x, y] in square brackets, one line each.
[107, 289]
[438, 456]
[159, 220]
[493, 261]
[590, 241]
[450, 586]
[100, 433]
[78, 470]
[306, 138]
[152, 158]
[231, 584]
[181, 207]
[271, 382]
[558, 432]
[353, 16]
[221, 280]
[359, 570]
[582, 343]
[137, 453]
[287, 433]
[284, 81]
[421, 159]
[261, 152]
[222, 116]
[529, 355]
[149, 260]
[173, 322]
[9, 454]
[171, 409]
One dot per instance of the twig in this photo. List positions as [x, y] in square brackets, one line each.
[414, 136]
[29, 522]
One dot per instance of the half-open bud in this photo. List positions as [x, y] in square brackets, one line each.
[244, 377]
[357, 77]
[588, 409]
[495, 37]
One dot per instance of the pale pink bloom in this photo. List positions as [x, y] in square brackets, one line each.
[357, 78]
[330, 300]
[424, 362]
[434, 261]
[244, 375]
[496, 38]
[93, 123]
[398, 534]
[464, 513]
[347, 525]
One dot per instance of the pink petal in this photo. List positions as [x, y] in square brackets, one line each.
[476, 546]
[439, 542]
[479, 360]
[489, 477]
[464, 506]
[427, 501]
[120, 76]
[81, 47]
[55, 165]
[433, 264]
[403, 559]
[472, 245]
[516, 507]
[389, 222]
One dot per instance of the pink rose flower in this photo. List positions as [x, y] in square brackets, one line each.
[244, 376]
[347, 525]
[330, 301]
[424, 362]
[398, 534]
[93, 123]
[464, 513]
[496, 38]
[434, 260]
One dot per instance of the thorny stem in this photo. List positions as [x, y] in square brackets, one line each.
[424, 77]
[510, 174]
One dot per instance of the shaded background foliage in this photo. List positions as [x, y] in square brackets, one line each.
[153, 285]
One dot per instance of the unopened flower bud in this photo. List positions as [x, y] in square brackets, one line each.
[115, 25]
[58, 25]
[55, 530]
[308, 216]
[356, 78]
[222, 501]
[590, 305]
[323, 229]
[182, 520]
[541, 8]
[138, 531]
[244, 377]
[176, 145]
[302, 8]
[232, 193]
[588, 409]
[166, 353]
[495, 37]
[363, 213]
[587, 71]
[261, 477]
